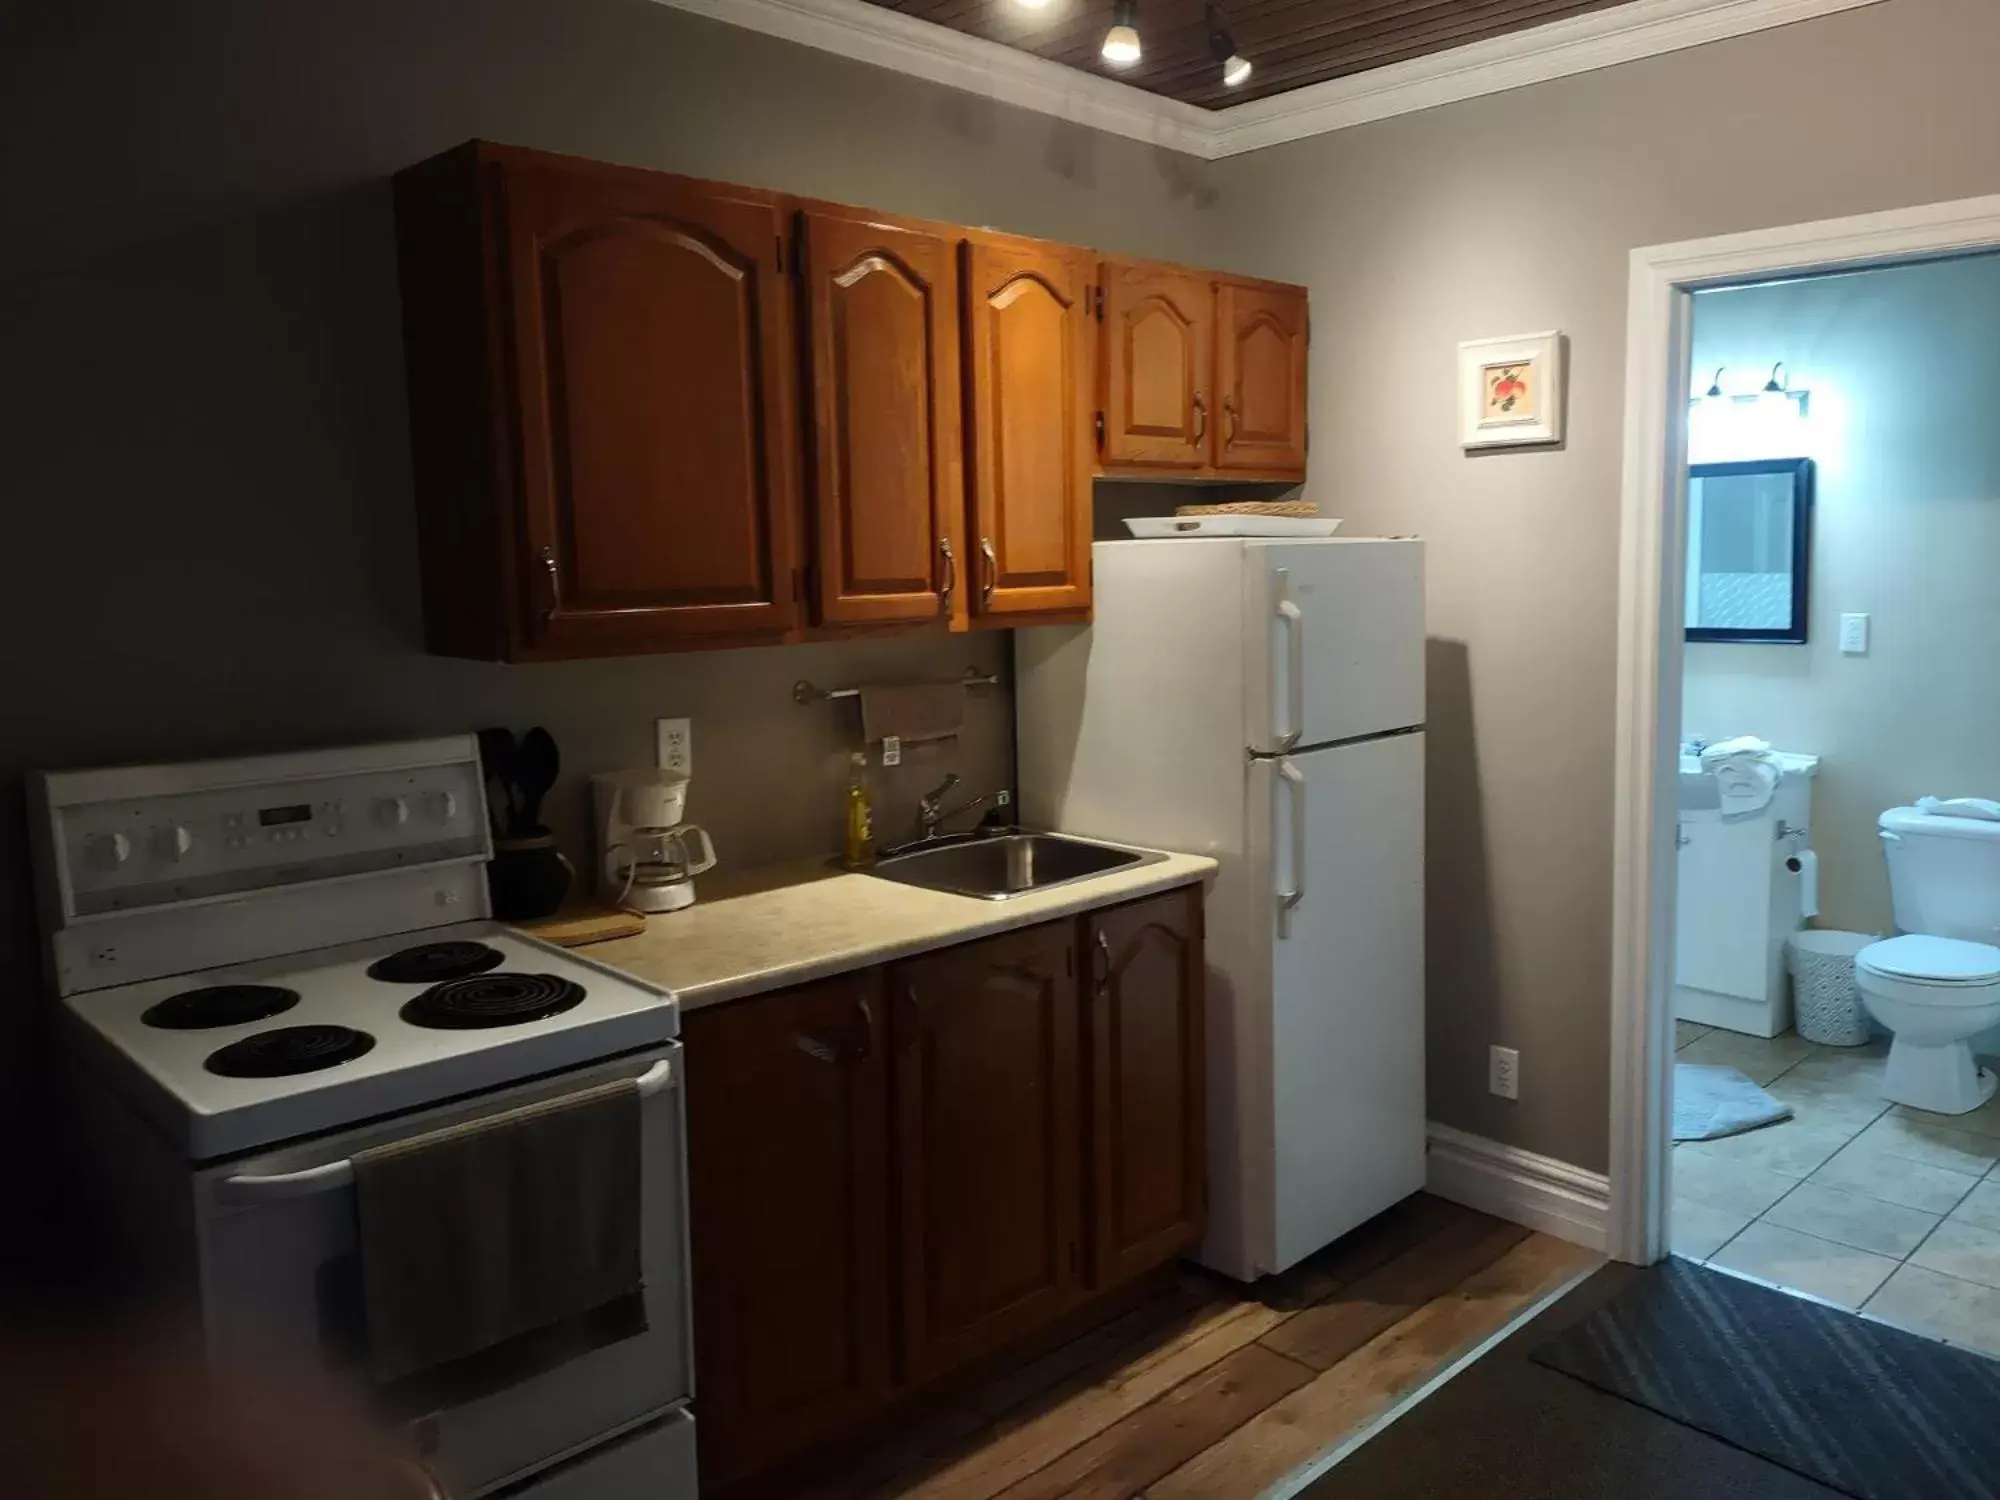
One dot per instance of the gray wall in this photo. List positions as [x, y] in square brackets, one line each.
[1903, 370]
[209, 522]
[1506, 215]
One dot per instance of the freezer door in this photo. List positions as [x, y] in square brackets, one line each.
[1344, 905]
[1336, 634]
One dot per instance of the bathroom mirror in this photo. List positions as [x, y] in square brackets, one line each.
[1749, 546]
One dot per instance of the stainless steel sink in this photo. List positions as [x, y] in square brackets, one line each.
[998, 867]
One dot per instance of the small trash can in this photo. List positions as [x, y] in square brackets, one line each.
[1825, 1003]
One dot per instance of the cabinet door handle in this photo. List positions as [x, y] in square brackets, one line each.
[992, 570]
[555, 583]
[950, 576]
[1103, 960]
[1229, 413]
[865, 1049]
[1200, 417]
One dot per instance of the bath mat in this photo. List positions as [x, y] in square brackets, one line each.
[1870, 1410]
[1710, 1103]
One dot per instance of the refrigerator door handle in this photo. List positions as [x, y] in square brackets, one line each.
[1289, 898]
[1293, 619]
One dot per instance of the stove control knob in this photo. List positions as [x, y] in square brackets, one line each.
[174, 841]
[113, 850]
[442, 806]
[393, 812]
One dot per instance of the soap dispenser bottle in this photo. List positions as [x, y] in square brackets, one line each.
[860, 813]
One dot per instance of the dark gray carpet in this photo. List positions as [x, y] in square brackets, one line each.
[1509, 1429]
[1874, 1412]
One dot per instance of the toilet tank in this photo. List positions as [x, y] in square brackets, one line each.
[1944, 873]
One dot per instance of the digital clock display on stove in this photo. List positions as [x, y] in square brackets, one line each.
[298, 812]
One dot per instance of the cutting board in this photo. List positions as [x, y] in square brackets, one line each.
[574, 926]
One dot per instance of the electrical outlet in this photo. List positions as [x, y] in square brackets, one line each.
[1854, 635]
[1503, 1072]
[676, 742]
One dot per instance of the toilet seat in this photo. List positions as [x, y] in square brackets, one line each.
[1932, 970]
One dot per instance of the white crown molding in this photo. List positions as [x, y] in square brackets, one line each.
[1582, 44]
[1553, 1196]
[890, 39]
[923, 49]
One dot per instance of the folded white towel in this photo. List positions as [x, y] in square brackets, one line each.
[1746, 775]
[1721, 750]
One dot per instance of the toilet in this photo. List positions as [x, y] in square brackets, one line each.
[1938, 984]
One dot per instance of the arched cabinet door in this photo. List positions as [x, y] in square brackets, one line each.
[1262, 375]
[888, 485]
[1156, 366]
[1028, 336]
[649, 326]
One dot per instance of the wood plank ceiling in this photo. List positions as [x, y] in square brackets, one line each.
[1290, 43]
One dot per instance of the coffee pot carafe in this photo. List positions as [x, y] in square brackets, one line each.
[650, 857]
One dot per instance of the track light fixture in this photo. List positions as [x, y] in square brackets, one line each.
[1121, 42]
[1775, 386]
[1222, 47]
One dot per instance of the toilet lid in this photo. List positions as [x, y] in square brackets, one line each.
[1933, 960]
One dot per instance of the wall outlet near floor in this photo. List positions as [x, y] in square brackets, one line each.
[1503, 1072]
[676, 741]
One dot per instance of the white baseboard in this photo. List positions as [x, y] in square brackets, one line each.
[1522, 1186]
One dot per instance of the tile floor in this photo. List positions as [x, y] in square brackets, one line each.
[1854, 1200]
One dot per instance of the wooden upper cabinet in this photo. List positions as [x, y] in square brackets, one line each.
[788, 1152]
[1261, 373]
[1156, 366]
[650, 323]
[601, 372]
[1028, 388]
[888, 488]
[1147, 1082]
[987, 1081]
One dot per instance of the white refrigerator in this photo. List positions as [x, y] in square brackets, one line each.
[1262, 702]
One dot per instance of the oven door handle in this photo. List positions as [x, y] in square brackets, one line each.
[248, 1188]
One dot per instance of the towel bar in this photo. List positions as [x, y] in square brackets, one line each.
[804, 692]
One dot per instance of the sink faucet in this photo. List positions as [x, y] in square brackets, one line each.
[932, 813]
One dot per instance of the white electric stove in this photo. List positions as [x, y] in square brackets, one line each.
[266, 965]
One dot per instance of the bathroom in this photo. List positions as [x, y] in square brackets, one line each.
[1844, 531]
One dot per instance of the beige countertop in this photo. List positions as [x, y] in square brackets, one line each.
[758, 930]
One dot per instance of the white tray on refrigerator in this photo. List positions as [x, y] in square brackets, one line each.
[1158, 526]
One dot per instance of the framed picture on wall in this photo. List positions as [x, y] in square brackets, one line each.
[1510, 391]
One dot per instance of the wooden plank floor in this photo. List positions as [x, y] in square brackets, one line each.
[1215, 1390]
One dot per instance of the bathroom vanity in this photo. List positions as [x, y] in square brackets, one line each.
[1739, 900]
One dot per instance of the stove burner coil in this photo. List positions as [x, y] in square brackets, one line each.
[492, 1000]
[430, 963]
[219, 1005]
[289, 1050]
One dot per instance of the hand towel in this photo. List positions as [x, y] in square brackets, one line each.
[478, 1234]
[1746, 776]
[913, 712]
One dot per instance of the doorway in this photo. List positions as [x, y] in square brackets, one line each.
[1655, 592]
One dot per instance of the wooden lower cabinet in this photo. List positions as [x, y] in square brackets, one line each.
[1148, 1176]
[897, 1172]
[788, 1156]
[987, 1086]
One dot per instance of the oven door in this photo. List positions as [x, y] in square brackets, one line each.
[281, 1281]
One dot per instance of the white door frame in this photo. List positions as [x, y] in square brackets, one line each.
[1659, 317]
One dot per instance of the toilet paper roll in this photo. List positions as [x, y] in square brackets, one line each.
[1806, 864]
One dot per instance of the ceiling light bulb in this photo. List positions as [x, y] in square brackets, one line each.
[1121, 42]
[1033, 4]
[1222, 47]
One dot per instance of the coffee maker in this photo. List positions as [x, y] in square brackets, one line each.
[650, 857]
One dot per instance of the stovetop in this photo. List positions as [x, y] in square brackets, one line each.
[231, 1059]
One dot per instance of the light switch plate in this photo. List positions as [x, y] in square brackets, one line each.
[1854, 635]
[676, 745]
